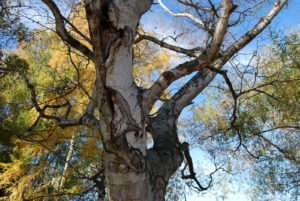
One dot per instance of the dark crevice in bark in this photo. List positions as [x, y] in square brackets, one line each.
[121, 124]
[122, 106]
[104, 12]
[132, 159]
[107, 41]
[102, 30]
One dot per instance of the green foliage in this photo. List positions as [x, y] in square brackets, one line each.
[36, 163]
[13, 61]
[264, 139]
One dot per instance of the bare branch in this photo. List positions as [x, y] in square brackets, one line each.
[77, 30]
[243, 13]
[227, 7]
[188, 15]
[188, 52]
[257, 29]
[78, 72]
[194, 5]
[189, 163]
[213, 9]
[166, 78]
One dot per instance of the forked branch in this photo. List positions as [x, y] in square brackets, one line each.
[218, 60]
[192, 174]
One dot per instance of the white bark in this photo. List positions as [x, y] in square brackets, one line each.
[67, 162]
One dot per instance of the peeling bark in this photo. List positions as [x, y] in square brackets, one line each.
[123, 129]
[131, 173]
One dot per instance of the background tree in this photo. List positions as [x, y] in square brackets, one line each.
[264, 137]
[112, 105]
[12, 31]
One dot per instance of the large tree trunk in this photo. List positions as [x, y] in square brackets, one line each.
[131, 173]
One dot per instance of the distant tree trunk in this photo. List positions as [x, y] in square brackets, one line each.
[67, 162]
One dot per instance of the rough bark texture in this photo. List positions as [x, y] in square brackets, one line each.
[131, 173]
[122, 119]
[165, 157]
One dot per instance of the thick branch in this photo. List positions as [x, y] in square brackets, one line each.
[192, 88]
[166, 78]
[63, 33]
[221, 28]
[257, 29]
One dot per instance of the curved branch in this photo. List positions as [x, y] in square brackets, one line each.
[166, 78]
[189, 162]
[63, 33]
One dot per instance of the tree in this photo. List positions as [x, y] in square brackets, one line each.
[264, 136]
[119, 110]
[12, 31]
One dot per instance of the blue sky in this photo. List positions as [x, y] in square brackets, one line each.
[162, 23]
